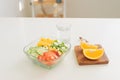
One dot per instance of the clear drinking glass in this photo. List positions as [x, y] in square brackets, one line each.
[64, 32]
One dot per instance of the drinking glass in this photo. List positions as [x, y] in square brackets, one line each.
[64, 32]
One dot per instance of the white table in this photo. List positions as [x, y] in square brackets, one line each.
[15, 33]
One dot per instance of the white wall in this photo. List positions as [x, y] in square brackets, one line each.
[93, 8]
[9, 8]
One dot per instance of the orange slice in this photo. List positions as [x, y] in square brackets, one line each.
[93, 54]
[85, 45]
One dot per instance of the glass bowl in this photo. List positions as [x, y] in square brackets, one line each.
[44, 63]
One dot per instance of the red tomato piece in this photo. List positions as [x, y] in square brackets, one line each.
[40, 57]
[56, 52]
[49, 57]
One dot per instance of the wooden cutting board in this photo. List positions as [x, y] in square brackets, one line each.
[82, 60]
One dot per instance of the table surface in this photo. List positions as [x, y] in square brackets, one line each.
[17, 32]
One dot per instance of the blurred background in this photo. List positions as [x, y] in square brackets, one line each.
[69, 8]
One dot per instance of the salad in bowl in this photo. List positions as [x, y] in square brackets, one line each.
[47, 52]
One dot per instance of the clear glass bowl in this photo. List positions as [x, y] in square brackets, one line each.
[43, 64]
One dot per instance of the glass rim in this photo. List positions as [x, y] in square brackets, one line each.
[63, 26]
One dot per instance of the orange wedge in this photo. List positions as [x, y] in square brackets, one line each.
[85, 45]
[93, 54]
